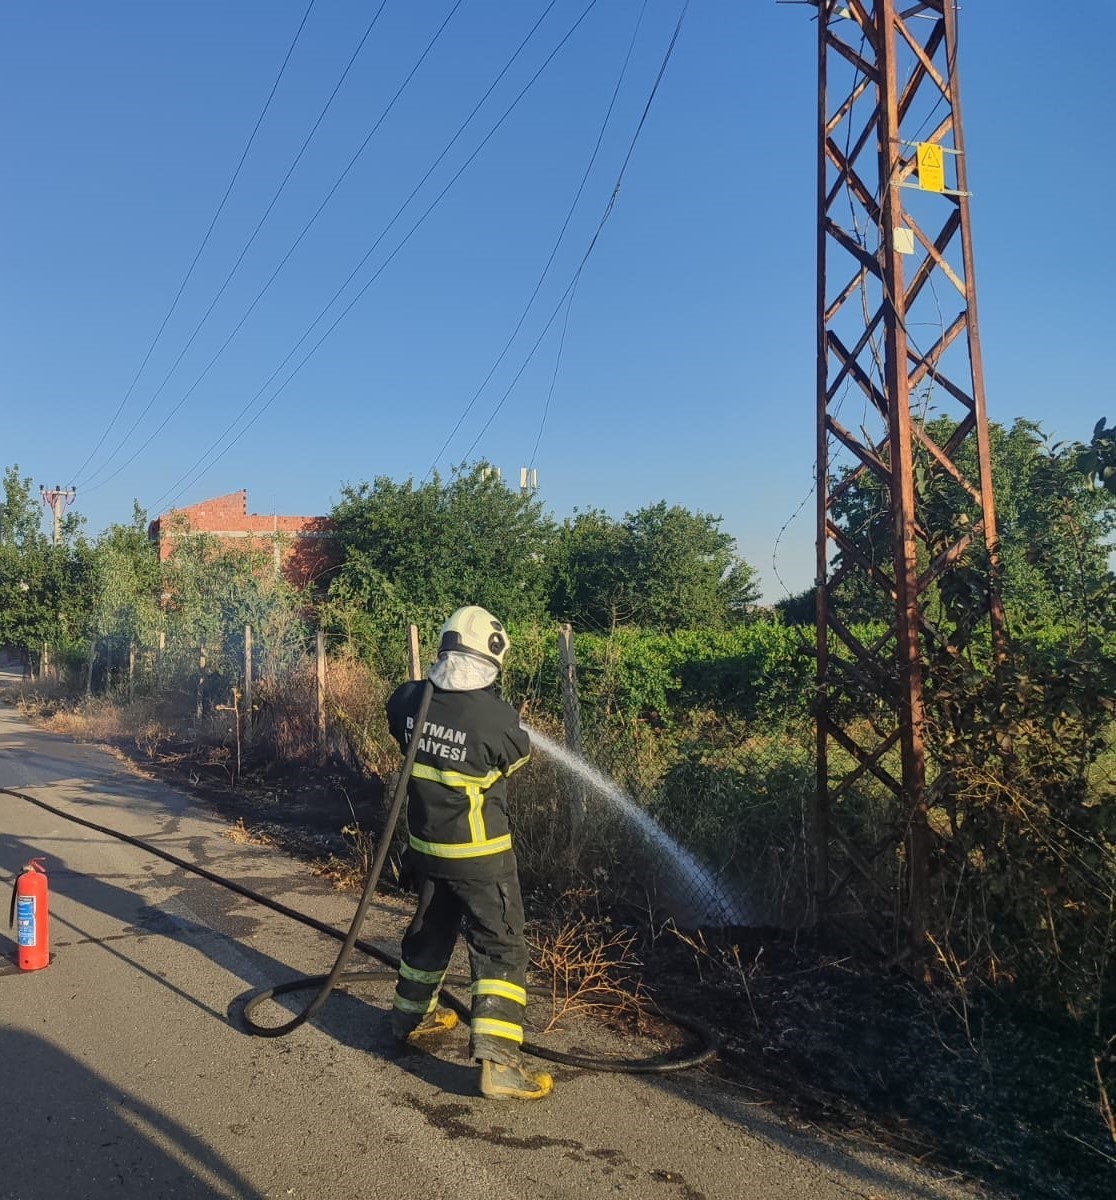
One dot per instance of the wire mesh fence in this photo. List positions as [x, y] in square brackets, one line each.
[692, 812]
[680, 786]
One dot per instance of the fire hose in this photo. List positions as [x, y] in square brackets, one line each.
[705, 1046]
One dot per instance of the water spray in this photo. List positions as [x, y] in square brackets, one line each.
[718, 904]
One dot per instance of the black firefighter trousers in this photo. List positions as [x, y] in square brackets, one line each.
[491, 913]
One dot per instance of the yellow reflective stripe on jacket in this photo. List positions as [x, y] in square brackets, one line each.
[454, 779]
[500, 1029]
[480, 844]
[476, 815]
[517, 764]
[500, 987]
[462, 849]
[417, 976]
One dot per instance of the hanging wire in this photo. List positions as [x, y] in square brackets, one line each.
[282, 262]
[554, 251]
[76, 475]
[200, 466]
[596, 236]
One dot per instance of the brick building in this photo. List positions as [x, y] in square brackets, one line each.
[303, 548]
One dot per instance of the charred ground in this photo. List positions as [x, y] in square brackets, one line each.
[981, 1087]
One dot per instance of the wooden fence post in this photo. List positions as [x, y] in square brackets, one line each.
[321, 648]
[247, 685]
[201, 681]
[414, 655]
[89, 668]
[131, 671]
[571, 718]
[160, 648]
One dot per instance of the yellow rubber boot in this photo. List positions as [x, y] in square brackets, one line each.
[441, 1020]
[500, 1082]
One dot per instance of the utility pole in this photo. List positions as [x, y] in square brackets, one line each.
[897, 339]
[57, 499]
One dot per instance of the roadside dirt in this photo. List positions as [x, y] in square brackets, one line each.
[989, 1090]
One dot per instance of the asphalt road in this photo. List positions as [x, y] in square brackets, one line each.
[123, 1075]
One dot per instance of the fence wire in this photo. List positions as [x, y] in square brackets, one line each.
[694, 814]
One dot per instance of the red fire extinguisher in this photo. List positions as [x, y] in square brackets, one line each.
[30, 913]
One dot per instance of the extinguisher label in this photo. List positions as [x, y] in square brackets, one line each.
[25, 920]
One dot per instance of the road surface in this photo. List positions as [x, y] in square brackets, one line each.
[123, 1075]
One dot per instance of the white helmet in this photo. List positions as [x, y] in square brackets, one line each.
[474, 630]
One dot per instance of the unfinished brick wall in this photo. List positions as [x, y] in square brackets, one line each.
[303, 548]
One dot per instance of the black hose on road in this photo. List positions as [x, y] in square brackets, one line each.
[707, 1042]
[330, 981]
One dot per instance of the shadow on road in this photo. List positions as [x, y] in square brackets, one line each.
[348, 1018]
[114, 1144]
[758, 1117]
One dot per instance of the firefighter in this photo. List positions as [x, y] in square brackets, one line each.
[461, 852]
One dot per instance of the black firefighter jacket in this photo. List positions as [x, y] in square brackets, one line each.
[457, 796]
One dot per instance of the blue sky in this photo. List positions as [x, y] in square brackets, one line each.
[687, 368]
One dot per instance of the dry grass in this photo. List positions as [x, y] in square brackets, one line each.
[34, 695]
[244, 836]
[149, 721]
[348, 873]
[356, 697]
[285, 714]
[590, 969]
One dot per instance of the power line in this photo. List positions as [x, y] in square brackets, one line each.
[558, 241]
[383, 266]
[596, 236]
[193, 471]
[283, 261]
[240, 258]
[553, 379]
[204, 243]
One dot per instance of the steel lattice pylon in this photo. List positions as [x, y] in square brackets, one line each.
[898, 347]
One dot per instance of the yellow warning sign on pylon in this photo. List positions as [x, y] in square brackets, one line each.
[931, 167]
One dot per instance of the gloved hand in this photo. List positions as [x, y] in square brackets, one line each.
[405, 876]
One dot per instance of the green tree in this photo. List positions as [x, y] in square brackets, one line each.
[799, 609]
[1097, 461]
[127, 583]
[663, 567]
[593, 586]
[211, 591]
[417, 552]
[21, 515]
[34, 576]
[1053, 534]
[687, 569]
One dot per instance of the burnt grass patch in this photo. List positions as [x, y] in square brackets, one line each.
[989, 1088]
[993, 1089]
[302, 808]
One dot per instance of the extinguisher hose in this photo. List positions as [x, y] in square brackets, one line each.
[706, 1041]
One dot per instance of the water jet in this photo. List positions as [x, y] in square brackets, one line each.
[691, 893]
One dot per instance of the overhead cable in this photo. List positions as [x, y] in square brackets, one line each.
[204, 242]
[240, 258]
[194, 471]
[554, 250]
[596, 236]
[294, 246]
